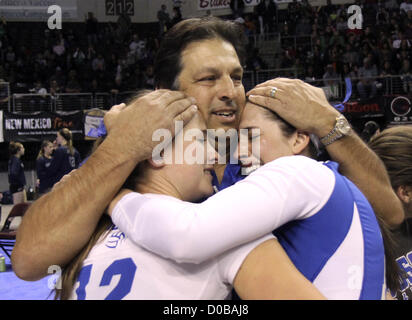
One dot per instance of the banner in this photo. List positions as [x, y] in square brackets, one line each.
[36, 9]
[224, 4]
[374, 107]
[41, 125]
[221, 4]
[398, 110]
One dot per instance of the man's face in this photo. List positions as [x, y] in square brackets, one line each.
[211, 73]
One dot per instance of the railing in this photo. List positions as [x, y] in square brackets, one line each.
[66, 102]
[29, 103]
[335, 89]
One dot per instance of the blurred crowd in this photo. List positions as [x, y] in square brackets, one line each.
[315, 42]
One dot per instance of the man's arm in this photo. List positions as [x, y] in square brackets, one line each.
[60, 223]
[307, 108]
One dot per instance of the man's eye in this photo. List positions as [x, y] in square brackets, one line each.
[209, 78]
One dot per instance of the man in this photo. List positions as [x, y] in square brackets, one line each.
[203, 58]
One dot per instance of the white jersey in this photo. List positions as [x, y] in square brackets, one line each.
[324, 223]
[117, 269]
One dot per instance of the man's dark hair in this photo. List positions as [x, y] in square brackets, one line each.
[167, 65]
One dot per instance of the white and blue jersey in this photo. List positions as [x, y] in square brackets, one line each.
[117, 269]
[322, 220]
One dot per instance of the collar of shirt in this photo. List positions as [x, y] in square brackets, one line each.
[231, 175]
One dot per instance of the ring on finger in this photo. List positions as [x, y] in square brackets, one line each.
[273, 92]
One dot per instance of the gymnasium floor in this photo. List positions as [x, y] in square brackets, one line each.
[13, 288]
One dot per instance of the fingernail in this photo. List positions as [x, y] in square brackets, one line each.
[194, 107]
[193, 100]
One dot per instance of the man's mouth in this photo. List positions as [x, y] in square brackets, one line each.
[225, 116]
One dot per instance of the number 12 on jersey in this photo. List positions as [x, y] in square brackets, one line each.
[126, 268]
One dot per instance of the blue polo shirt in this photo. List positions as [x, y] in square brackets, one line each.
[231, 175]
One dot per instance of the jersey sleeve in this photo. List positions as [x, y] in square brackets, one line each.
[281, 191]
[230, 262]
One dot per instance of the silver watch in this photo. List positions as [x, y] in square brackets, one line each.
[342, 128]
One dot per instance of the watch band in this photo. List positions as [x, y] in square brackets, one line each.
[341, 128]
[330, 138]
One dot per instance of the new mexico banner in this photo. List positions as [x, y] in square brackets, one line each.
[41, 125]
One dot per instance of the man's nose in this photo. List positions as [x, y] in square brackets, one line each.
[226, 89]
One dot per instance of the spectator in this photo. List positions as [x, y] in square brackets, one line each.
[98, 63]
[79, 57]
[17, 179]
[367, 83]
[400, 38]
[237, 6]
[44, 158]
[148, 78]
[177, 16]
[370, 129]
[255, 62]
[394, 147]
[406, 76]
[65, 158]
[38, 88]
[405, 6]
[59, 48]
[73, 85]
[91, 28]
[266, 11]
[330, 77]
[54, 88]
[347, 71]
[164, 19]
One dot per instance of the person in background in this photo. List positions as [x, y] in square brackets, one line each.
[164, 19]
[65, 158]
[44, 159]
[394, 147]
[17, 179]
[370, 129]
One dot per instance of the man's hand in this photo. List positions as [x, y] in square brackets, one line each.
[306, 108]
[133, 125]
[302, 105]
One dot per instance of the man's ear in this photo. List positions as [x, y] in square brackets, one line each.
[404, 193]
[300, 142]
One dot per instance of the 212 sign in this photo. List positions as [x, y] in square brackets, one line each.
[119, 7]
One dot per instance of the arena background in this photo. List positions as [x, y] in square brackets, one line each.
[80, 86]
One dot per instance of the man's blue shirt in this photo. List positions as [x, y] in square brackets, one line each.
[231, 175]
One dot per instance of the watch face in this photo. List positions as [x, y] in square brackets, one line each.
[343, 126]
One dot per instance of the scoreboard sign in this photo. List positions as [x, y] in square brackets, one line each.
[119, 7]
